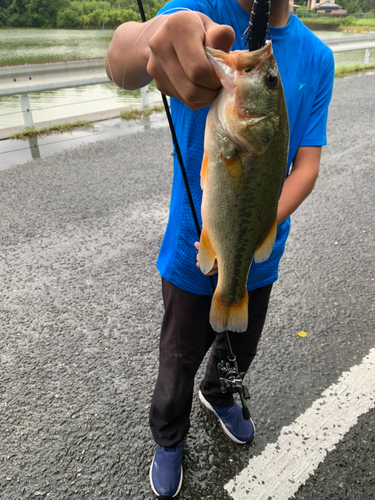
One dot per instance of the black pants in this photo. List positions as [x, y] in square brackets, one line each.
[186, 336]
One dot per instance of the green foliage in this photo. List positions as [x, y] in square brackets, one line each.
[367, 5]
[351, 6]
[74, 13]
[346, 70]
[67, 18]
[348, 21]
[4, 4]
[366, 22]
[319, 19]
[84, 8]
[43, 13]
[3, 18]
[49, 129]
[133, 114]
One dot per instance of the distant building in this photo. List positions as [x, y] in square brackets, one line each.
[323, 7]
[326, 7]
[338, 13]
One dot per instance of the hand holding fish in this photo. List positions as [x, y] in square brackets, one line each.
[214, 269]
[178, 62]
[170, 50]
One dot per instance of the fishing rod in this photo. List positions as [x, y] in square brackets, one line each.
[229, 375]
[258, 26]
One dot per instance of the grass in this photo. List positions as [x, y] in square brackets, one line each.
[50, 129]
[320, 20]
[347, 70]
[133, 114]
[365, 22]
[358, 25]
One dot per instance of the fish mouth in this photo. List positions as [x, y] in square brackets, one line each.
[256, 53]
[240, 59]
[228, 66]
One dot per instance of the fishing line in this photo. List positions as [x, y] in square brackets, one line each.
[178, 151]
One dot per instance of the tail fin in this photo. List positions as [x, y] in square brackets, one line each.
[232, 317]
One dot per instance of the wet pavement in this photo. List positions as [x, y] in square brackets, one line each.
[81, 309]
[16, 152]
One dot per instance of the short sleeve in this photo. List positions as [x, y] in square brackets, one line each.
[179, 5]
[315, 134]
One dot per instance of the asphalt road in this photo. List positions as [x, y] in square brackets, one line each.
[81, 309]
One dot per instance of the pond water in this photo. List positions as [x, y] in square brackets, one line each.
[27, 45]
[20, 46]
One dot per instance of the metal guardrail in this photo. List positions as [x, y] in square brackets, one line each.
[350, 39]
[353, 43]
[25, 79]
[28, 78]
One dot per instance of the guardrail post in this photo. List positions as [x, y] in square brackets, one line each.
[367, 56]
[144, 94]
[26, 110]
[34, 147]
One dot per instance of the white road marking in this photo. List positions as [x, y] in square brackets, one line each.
[283, 466]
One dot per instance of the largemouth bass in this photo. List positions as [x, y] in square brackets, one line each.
[242, 175]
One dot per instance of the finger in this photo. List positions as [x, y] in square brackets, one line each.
[189, 48]
[219, 36]
[179, 78]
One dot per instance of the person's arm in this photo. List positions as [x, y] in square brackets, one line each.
[170, 50]
[297, 187]
[301, 181]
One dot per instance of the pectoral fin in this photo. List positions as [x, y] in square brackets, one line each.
[206, 254]
[204, 170]
[264, 251]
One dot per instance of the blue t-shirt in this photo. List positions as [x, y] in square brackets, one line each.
[306, 67]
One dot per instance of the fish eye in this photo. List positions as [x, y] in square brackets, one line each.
[271, 80]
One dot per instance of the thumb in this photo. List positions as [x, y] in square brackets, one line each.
[219, 36]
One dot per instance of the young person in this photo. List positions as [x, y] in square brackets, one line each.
[170, 50]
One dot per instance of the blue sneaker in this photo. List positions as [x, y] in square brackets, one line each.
[166, 471]
[238, 429]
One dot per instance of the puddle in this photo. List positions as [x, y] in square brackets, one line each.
[15, 152]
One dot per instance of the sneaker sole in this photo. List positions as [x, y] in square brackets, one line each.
[207, 405]
[164, 496]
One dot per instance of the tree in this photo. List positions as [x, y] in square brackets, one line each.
[67, 18]
[16, 13]
[352, 6]
[43, 13]
[367, 5]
